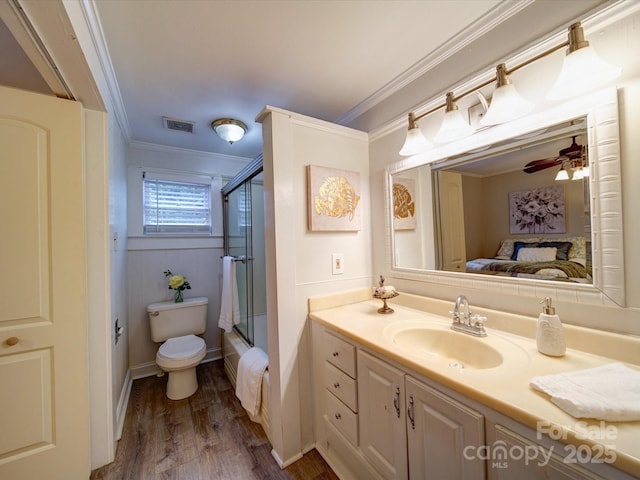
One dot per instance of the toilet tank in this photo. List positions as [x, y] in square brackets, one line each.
[170, 319]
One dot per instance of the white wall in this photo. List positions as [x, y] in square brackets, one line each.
[617, 44]
[301, 265]
[198, 258]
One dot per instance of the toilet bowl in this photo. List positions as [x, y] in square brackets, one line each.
[179, 357]
[177, 325]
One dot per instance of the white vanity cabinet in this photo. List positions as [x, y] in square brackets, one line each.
[442, 435]
[383, 439]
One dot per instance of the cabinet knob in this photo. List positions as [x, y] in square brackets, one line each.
[11, 341]
[335, 354]
[338, 416]
[336, 385]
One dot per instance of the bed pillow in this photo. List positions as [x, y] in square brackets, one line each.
[563, 248]
[506, 246]
[537, 254]
[518, 245]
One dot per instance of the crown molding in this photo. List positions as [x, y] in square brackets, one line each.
[484, 24]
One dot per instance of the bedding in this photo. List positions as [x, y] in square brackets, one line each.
[550, 259]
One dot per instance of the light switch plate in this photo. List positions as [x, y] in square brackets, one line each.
[337, 263]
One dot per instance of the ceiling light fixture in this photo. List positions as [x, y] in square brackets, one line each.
[582, 71]
[229, 129]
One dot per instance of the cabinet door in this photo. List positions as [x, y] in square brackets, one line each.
[439, 431]
[382, 416]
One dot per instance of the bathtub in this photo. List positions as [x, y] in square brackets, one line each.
[233, 346]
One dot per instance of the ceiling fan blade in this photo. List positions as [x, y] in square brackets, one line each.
[543, 161]
[538, 165]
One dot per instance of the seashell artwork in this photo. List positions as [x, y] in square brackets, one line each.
[404, 207]
[333, 199]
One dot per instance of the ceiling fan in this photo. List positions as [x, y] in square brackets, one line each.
[571, 153]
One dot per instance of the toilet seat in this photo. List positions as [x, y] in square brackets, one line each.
[181, 352]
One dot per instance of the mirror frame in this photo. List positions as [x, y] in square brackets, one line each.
[601, 110]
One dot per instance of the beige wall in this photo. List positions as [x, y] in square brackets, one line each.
[299, 265]
[615, 43]
[196, 258]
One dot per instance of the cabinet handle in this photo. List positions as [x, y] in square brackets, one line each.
[338, 416]
[11, 341]
[335, 354]
[396, 400]
[336, 385]
[410, 412]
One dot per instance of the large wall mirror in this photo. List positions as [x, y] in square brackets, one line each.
[495, 210]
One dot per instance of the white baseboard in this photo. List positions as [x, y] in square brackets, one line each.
[289, 461]
[123, 402]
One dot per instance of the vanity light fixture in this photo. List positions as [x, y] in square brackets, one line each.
[229, 129]
[416, 142]
[582, 71]
[454, 126]
[506, 103]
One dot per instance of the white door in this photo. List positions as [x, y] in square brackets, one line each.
[454, 255]
[44, 413]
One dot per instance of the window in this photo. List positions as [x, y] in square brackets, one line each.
[176, 206]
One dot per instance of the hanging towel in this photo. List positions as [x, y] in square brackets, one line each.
[251, 368]
[229, 307]
[609, 392]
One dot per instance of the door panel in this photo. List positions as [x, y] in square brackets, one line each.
[44, 421]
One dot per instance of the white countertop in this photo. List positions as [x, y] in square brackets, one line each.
[504, 388]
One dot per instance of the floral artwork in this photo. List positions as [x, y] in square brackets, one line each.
[541, 210]
[334, 198]
[404, 206]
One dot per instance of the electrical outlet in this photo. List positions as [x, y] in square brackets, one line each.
[337, 263]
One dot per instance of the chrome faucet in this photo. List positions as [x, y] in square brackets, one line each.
[469, 323]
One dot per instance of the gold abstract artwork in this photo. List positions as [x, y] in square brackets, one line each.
[333, 199]
[404, 207]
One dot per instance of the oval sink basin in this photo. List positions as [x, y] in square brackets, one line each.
[460, 349]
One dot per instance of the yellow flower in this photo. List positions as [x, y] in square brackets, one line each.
[176, 281]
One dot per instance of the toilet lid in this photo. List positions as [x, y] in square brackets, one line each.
[181, 347]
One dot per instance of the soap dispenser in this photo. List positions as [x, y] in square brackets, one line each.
[550, 336]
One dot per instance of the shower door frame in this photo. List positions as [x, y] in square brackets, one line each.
[241, 180]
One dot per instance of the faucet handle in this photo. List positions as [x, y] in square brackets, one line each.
[456, 315]
[478, 320]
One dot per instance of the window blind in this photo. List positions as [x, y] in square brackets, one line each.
[176, 207]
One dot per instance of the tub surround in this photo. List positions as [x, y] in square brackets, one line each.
[505, 388]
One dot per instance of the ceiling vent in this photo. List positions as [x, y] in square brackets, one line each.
[180, 125]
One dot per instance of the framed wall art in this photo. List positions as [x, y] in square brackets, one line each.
[541, 210]
[404, 206]
[333, 199]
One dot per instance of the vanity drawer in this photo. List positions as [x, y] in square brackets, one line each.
[340, 353]
[342, 386]
[342, 418]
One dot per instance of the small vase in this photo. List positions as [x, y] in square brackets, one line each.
[178, 297]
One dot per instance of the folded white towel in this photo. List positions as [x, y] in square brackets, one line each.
[251, 368]
[229, 305]
[609, 392]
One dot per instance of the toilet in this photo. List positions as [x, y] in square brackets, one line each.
[177, 325]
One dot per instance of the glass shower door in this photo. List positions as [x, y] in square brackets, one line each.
[238, 239]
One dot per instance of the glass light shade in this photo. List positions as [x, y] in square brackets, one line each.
[578, 174]
[506, 105]
[582, 71]
[415, 143]
[229, 129]
[562, 175]
[454, 127]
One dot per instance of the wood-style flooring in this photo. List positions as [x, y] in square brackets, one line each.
[207, 436]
